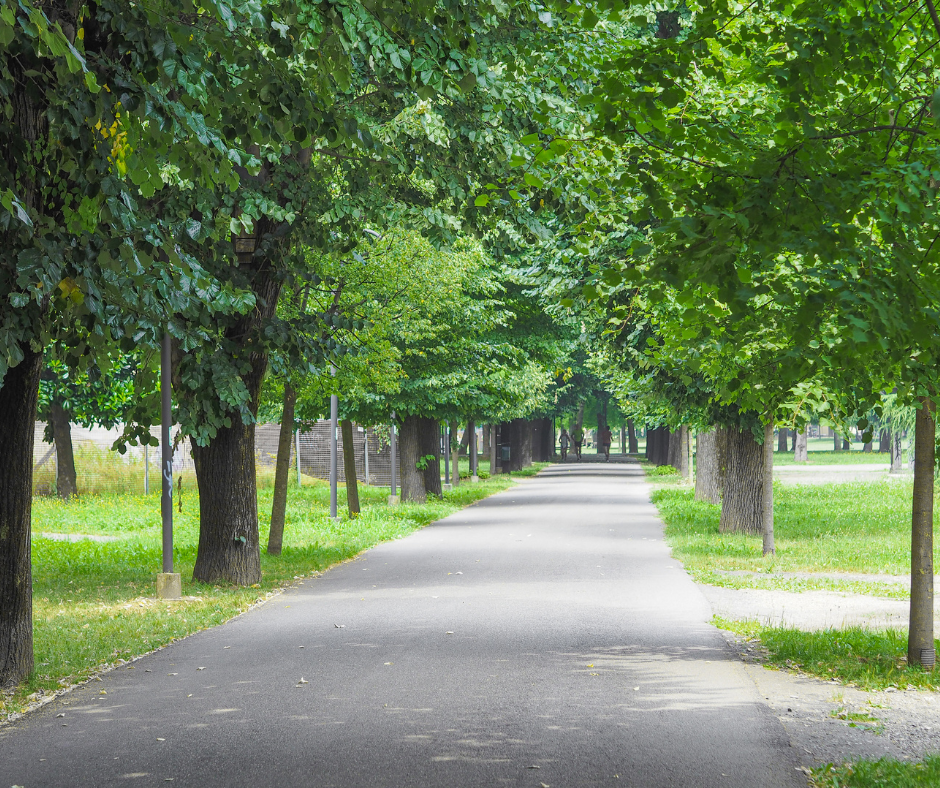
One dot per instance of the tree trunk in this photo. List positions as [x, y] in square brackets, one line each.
[662, 446]
[650, 439]
[742, 491]
[767, 503]
[896, 464]
[793, 434]
[884, 445]
[846, 445]
[349, 468]
[525, 443]
[679, 451]
[19, 395]
[454, 455]
[485, 448]
[920, 642]
[707, 487]
[836, 441]
[631, 437]
[229, 550]
[465, 443]
[282, 471]
[66, 479]
[800, 453]
[409, 446]
[430, 431]
[783, 435]
[867, 448]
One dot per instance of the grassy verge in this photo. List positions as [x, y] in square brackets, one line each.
[885, 773]
[871, 660]
[856, 527]
[93, 601]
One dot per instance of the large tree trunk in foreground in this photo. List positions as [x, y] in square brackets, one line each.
[767, 508]
[631, 437]
[349, 468]
[66, 480]
[920, 642]
[282, 472]
[430, 430]
[742, 494]
[800, 453]
[19, 394]
[409, 448]
[229, 551]
[707, 475]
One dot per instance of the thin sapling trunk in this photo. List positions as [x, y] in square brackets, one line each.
[920, 643]
[349, 467]
[282, 471]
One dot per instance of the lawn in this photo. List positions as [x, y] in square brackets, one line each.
[885, 773]
[93, 602]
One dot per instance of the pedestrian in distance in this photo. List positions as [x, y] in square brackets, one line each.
[607, 438]
[577, 435]
[564, 441]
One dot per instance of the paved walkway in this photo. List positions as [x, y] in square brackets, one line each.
[543, 637]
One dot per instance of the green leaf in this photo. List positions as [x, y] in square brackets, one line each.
[482, 200]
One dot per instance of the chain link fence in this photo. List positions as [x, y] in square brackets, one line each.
[100, 470]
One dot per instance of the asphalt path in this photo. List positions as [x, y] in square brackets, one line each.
[542, 637]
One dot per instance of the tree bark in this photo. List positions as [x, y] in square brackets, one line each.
[836, 441]
[282, 472]
[349, 468]
[454, 455]
[743, 484]
[707, 487]
[473, 451]
[525, 443]
[229, 550]
[66, 479]
[896, 464]
[867, 448]
[409, 446]
[846, 445]
[662, 446]
[492, 449]
[19, 394]
[767, 503]
[884, 442]
[793, 434]
[920, 643]
[430, 431]
[679, 451]
[783, 434]
[800, 453]
[631, 437]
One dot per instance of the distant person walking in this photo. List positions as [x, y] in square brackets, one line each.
[565, 441]
[606, 439]
[577, 435]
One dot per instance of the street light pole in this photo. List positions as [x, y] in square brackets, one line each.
[393, 447]
[169, 585]
[334, 427]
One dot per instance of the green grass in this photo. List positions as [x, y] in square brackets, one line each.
[93, 602]
[816, 455]
[885, 773]
[871, 660]
[855, 527]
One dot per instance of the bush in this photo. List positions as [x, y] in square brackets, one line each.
[664, 470]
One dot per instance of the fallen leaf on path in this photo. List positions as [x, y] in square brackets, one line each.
[635, 689]
[159, 739]
[533, 767]
[200, 668]
[59, 715]
[340, 626]
[448, 633]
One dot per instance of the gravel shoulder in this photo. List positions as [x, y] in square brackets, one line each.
[827, 721]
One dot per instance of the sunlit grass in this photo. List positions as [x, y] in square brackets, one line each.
[855, 527]
[93, 602]
[869, 659]
[884, 773]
